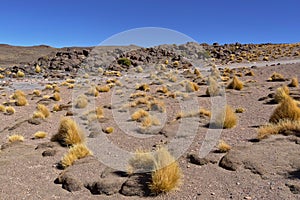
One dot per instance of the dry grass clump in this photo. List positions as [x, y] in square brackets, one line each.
[21, 101]
[166, 175]
[108, 130]
[138, 94]
[139, 114]
[56, 108]
[201, 113]
[38, 69]
[191, 86]
[223, 147]
[2, 108]
[20, 74]
[40, 135]
[142, 162]
[37, 93]
[284, 126]
[15, 138]
[287, 109]
[162, 89]
[56, 96]
[70, 80]
[281, 93]
[276, 77]
[99, 112]
[18, 94]
[49, 87]
[157, 105]
[43, 109]
[225, 119]
[249, 73]
[68, 133]
[104, 88]
[294, 82]
[76, 152]
[235, 84]
[239, 110]
[93, 92]
[143, 87]
[81, 101]
[213, 88]
[10, 110]
[149, 121]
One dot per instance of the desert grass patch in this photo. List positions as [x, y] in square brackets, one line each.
[139, 114]
[43, 109]
[81, 101]
[93, 92]
[21, 101]
[76, 152]
[15, 138]
[68, 133]
[150, 120]
[287, 109]
[294, 82]
[56, 108]
[37, 93]
[17, 94]
[281, 93]
[276, 77]
[191, 86]
[167, 175]
[40, 135]
[201, 113]
[285, 127]
[2, 108]
[142, 162]
[163, 89]
[143, 87]
[249, 73]
[20, 74]
[10, 110]
[157, 105]
[235, 84]
[99, 112]
[108, 130]
[56, 96]
[240, 110]
[38, 69]
[213, 88]
[223, 147]
[225, 119]
[104, 88]
[48, 87]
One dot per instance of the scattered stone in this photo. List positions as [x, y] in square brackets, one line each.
[195, 159]
[49, 152]
[136, 185]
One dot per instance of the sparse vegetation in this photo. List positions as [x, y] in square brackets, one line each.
[191, 86]
[287, 109]
[213, 88]
[81, 101]
[76, 152]
[20, 74]
[276, 77]
[142, 162]
[15, 138]
[10, 110]
[2, 108]
[68, 133]
[108, 130]
[40, 134]
[38, 69]
[235, 84]
[281, 93]
[56, 96]
[43, 110]
[294, 82]
[225, 119]
[239, 110]
[223, 147]
[37, 93]
[104, 88]
[139, 114]
[124, 61]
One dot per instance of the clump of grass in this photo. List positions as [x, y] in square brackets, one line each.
[166, 175]
[81, 101]
[235, 84]
[197, 72]
[18, 94]
[21, 101]
[191, 86]
[49, 87]
[38, 69]
[139, 114]
[15, 138]
[142, 162]
[143, 87]
[56, 88]
[281, 93]
[239, 110]
[284, 126]
[108, 130]
[157, 105]
[276, 77]
[287, 109]
[294, 82]
[56, 108]
[201, 112]
[223, 147]
[56, 96]
[124, 61]
[10, 110]
[2, 108]
[139, 69]
[226, 119]
[20, 74]
[68, 133]
[40, 135]
[175, 63]
[38, 114]
[76, 152]
[37, 93]
[99, 112]
[150, 120]
[249, 73]
[162, 89]
[93, 92]
[43, 109]
[104, 88]
[213, 88]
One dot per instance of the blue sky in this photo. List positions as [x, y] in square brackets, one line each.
[89, 22]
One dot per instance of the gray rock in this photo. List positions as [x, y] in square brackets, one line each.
[136, 185]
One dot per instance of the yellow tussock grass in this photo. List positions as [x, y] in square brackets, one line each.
[56, 96]
[2, 108]
[143, 87]
[10, 110]
[20, 74]
[235, 84]
[76, 152]
[141, 162]
[139, 114]
[108, 130]
[81, 101]
[37, 93]
[38, 69]
[68, 132]
[226, 119]
[167, 175]
[294, 82]
[15, 138]
[287, 109]
[191, 86]
[223, 146]
[276, 77]
[40, 135]
[43, 109]
[281, 93]
[104, 88]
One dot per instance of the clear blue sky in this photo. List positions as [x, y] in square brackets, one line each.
[88, 22]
